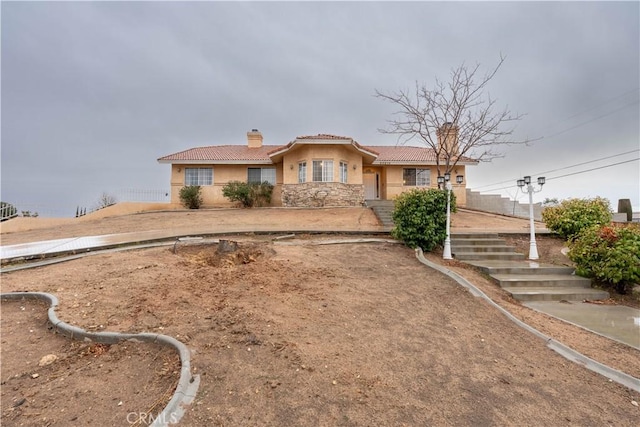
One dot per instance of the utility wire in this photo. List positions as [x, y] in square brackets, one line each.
[622, 95]
[594, 169]
[573, 173]
[588, 121]
[574, 127]
[542, 138]
[566, 167]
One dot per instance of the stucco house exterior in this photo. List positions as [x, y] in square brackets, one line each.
[311, 171]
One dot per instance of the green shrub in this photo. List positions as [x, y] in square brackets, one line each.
[190, 197]
[420, 218]
[248, 195]
[238, 191]
[574, 215]
[610, 254]
[261, 193]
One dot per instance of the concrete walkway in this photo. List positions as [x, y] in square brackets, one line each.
[613, 321]
[619, 323]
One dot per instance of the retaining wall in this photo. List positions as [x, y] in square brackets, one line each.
[495, 203]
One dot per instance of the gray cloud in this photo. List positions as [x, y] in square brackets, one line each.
[93, 93]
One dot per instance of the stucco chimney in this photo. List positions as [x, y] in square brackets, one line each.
[254, 139]
[448, 137]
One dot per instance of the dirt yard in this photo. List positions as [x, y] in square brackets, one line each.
[49, 380]
[293, 332]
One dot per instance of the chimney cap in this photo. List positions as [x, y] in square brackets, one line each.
[254, 130]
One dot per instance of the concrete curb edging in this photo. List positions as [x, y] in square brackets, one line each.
[566, 352]
[188, 384]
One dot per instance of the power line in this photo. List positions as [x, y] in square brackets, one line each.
[588, 121]
[566, 167]
[573, 173]
[594, 107]
[542, 138]
[594, 169]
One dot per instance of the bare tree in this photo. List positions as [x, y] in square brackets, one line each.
[455, 118]
[105, 200]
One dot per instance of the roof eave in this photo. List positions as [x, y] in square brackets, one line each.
[349, 142]
[218, 162]
[417, 162]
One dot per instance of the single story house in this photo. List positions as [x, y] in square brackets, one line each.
[311, 171]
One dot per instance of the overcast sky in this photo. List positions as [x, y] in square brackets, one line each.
[94, 92]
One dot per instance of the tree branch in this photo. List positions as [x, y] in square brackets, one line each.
[461, 102]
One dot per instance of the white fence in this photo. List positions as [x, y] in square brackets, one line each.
[12, 209]
[7, 211]
[142, 195]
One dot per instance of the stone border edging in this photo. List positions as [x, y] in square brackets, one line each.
[134, 244]
[566, 352]
[188, 384]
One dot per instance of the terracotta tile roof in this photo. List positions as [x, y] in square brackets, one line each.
[241, 154]
[325, 136]
[322, 137]
[402, 154]
[407, 155]
[222, 154]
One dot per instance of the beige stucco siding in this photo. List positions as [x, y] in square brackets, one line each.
[222, 174]
[390, 176]
[309, 153]
[392, 182]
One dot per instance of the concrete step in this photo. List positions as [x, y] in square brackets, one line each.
[474, 235]
[384, 212]
[556, 294]
[519, 267]
[541, 280]
[525, 280]
[459, 241]
[473, 256]
[484, 248]
[384, 215]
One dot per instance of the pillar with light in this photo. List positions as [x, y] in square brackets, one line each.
[446, 180]
[533, 248]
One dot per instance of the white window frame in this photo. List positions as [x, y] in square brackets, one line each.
[422, 177]
[198, 176]
[266, 174]
[324, 168]
[302, 172]
[344, 172]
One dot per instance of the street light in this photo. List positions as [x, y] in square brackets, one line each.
[533, 248]
[446, 179]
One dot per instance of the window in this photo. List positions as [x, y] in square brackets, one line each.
[343, 172]
[198, 176]
[260, 175]
[323, 170]
[302, 172]
[416, 177]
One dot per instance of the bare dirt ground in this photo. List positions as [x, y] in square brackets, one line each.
[291, 332]
[83, 383]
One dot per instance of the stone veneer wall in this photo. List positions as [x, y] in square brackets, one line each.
[319, 194]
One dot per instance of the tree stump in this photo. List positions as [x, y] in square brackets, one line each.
[227, 246]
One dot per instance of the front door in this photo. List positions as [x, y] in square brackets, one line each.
[371, 186]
